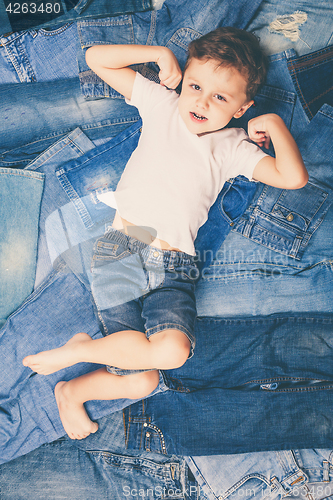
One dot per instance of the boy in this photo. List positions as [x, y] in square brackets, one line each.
[184, 156]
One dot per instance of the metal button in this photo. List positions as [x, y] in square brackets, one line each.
[290, 217]
[156, 254]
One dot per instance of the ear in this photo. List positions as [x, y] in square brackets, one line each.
[244, 108]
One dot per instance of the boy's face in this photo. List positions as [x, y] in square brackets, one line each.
[211, 96]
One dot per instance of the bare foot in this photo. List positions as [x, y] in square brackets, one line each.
[47, 362]
[73, 415]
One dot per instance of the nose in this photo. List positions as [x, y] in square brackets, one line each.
[202, 102]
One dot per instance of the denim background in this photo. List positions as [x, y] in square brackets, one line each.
[273, 391]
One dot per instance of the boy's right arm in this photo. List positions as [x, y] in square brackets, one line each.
[110, 62]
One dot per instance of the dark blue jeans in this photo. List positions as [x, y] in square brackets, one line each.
[20, 16]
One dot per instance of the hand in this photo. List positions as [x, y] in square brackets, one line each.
[258, 129]
[170, 73]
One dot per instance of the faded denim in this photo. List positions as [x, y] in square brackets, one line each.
[302, 25]
[20, 195]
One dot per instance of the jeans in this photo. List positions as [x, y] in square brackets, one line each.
[287, 225]
[258, 378]
[295, 473]
[53, 54]
[44, 102]
[20, 194]
[106, 470]
[69, 230]
[140, 287]
[103, 467]
[17, 17]
[302, 25]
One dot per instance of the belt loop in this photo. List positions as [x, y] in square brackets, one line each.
[326, 471]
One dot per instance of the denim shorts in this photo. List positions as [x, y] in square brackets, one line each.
[139, 287]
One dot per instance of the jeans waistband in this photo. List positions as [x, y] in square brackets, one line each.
[150, 254]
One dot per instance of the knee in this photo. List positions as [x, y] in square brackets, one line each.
[142, 384]
[172, 349]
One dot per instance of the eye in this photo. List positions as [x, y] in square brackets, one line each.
[219, 97]
[195, 86]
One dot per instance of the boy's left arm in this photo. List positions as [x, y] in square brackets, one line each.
[286, 170]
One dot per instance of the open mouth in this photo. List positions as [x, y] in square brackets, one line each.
[197, 117]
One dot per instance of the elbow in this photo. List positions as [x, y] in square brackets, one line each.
[301, 181]
[298, 180]
[91, 56]
[88, 56]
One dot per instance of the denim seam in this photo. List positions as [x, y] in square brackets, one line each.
[327, 111]
[302, 389]
[38, 291]
[22, 173]
[201, 480]
[67, 142]
[280, 379]
[152, 29]
[240, 483]
[55, 31]
[320, 95]
[19, 52]
[328, 320]
[59, 135]
[303, 100]
[310, 61]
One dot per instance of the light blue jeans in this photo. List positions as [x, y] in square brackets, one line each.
[302, 25]
[20, 195]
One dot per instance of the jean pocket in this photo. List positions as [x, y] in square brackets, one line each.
[110, 30]
[108, 251]
[285, 220]
[252, 486]
[179, 42]
[141, 477]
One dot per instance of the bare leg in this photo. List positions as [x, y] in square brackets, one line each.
[128, 349]
[99, 384]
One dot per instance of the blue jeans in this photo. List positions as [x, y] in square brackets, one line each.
[103, 467]
[53, 54]
[106, 471]
[20, 194]
[279, 28]
[139, 287]
[175, 24]
[257, 377]
[281, 228]
[18, 17]
[239, 396]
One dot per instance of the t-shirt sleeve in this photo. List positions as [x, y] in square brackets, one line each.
[146, 94]
[245, 157]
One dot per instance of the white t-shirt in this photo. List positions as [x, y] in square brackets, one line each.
[173, 176]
